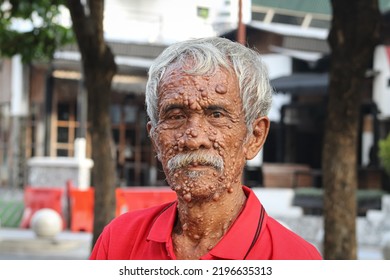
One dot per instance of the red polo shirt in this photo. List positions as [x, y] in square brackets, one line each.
[146, 235]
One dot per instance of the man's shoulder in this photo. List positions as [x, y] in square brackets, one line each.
[288, 244]
[136, 218]
[125, 236]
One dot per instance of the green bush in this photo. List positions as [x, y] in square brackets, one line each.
[384, 153]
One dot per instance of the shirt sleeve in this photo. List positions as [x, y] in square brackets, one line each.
[99, 251]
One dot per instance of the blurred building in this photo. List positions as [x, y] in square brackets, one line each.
[43, 106]
[49, 105]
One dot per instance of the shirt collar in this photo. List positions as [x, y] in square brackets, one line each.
[163, 224]
[237, 240]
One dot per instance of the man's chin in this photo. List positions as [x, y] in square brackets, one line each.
[195, 181]
[198, 194]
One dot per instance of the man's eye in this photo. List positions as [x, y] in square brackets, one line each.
[176, 117]
[216, 115]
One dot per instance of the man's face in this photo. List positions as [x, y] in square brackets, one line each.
[200, 135]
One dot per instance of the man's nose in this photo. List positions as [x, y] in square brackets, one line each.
[195, 137]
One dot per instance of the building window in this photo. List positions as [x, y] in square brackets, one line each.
[65, 129]
[258, 16]
[4, 141]
[135, 156]
[320, 23]
[287, 19]
[203, 12]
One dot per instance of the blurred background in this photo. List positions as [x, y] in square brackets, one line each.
[53, 87]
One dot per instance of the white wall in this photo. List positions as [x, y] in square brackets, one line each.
[278, 66]
[153, 21]
[167, 21]
[381, 85]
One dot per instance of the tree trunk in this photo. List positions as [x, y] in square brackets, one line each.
[353, 36]
[99, 68]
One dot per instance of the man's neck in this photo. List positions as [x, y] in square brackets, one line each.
[200, 225]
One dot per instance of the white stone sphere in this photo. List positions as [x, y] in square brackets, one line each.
[46, 223]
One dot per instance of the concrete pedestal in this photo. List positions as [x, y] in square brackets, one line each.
[55, 171]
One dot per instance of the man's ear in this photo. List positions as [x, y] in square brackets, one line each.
[149, 128]
[256, 140]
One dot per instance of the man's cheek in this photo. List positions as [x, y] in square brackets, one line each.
[166, 150]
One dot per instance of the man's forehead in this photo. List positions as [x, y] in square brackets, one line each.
[176, 77]
[190, 98]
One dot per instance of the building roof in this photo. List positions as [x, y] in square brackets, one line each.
[321, 7]
[131, 58]
[306, 6]
[302, 83]
[301, 13]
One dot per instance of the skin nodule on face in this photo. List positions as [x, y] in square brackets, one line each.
[200, 135]
[202, 141]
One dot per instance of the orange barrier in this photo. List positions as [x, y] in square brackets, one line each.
[81, 203]
[36, 198]
[133, 198]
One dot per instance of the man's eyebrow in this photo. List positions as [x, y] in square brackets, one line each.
[171, 106]
[217, 108]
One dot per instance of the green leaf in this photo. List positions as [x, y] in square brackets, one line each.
[45, 36]
[384, 153]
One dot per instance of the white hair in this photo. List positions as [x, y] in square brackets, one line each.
[207, 55]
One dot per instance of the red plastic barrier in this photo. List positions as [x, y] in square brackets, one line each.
[133, 198]
[36, 198]
[81, 203]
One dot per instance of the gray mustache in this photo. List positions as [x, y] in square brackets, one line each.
[198, 157]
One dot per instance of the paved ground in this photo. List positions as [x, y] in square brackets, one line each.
[20, 244]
